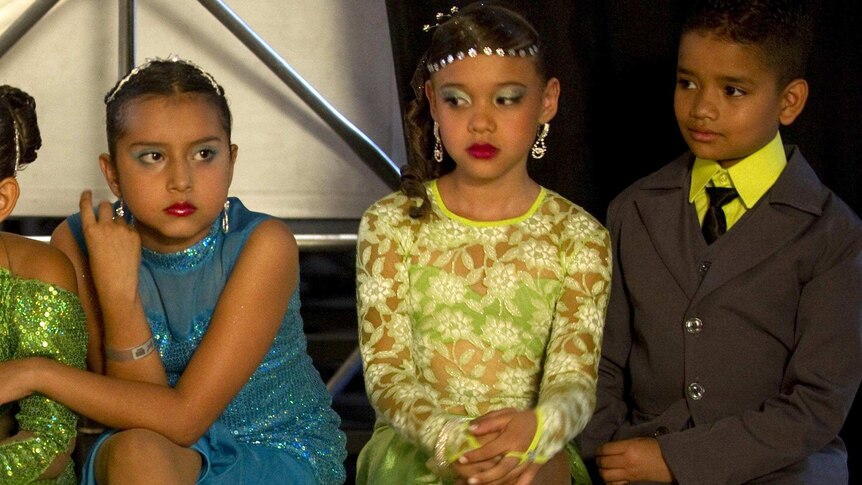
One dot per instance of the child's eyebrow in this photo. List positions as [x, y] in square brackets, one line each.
[206, 139]
[145, 143]
[725, 79]
[496, 85]
[735, 79]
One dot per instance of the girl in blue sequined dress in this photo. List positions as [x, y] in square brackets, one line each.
[195, 301]
[40, 316]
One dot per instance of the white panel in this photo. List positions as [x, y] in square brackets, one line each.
[290, 163]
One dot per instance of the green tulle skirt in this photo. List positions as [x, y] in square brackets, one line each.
[389, 459]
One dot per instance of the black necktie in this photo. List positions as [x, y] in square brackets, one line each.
[714, 223]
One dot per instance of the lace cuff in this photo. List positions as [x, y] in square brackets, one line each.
[453, 441]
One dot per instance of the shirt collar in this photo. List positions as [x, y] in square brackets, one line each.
[751, 177]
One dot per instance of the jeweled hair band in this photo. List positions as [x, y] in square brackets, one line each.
[476, 52]
[442, 17]
[150, 61]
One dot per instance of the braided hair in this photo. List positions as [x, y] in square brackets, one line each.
[19, 132]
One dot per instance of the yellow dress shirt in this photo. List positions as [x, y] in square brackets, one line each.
[752, 177]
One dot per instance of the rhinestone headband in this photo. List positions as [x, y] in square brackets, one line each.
[150, 61]
[475, 52]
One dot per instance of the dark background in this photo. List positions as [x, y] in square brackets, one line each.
[616, 63]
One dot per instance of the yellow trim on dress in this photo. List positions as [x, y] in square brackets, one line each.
[503, 222]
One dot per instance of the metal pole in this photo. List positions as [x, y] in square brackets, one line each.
[345, 373]
[23, 23]
[370, 153]
[127, 37]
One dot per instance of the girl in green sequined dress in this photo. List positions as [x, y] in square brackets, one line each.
[481, 294]
[40, 316]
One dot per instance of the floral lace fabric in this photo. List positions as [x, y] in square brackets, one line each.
[460, 318]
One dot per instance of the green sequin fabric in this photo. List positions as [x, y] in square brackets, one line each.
[39, 320]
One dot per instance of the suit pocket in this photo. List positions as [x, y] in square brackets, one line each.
[641, 424]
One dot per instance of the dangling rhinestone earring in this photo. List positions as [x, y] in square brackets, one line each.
[539, 148]
[438, 144]
[119, 211]
[225, 222]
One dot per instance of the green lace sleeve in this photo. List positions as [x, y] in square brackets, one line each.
[567, 394]
[385, 327]
[47, 322]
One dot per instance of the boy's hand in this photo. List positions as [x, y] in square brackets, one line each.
[633, 460]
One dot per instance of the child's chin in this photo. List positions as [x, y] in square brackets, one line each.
[700, 152]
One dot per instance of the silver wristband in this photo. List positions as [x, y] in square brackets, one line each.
[134, 353]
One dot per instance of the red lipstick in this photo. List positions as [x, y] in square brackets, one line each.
[482, 150]
[181, 209]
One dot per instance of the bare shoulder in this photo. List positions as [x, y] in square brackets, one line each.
[270, 257]
[273, 237]
[36, 260]
[62, 238]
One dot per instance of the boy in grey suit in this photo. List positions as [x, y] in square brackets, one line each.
[732, 349]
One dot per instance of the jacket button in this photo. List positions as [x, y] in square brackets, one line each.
[695, 391]
[703, 267]
[693, 325]
[660, 431]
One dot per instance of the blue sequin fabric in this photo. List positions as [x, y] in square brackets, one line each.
[285, 404]
[39, 320]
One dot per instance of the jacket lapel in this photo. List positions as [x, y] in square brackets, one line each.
[788, 209]
[671, 222]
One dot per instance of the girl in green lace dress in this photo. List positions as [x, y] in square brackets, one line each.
[481, 294]
[40, 316]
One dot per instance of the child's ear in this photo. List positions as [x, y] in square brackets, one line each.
[109, 170]
[432, 100]
[793, 100]
[234, 151]
[9, 192]
[550, 98]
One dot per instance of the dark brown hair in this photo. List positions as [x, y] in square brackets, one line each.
[17, 112]
[161, 78]
[781, 29]
[478, 25]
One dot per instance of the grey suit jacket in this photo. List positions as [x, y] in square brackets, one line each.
[742, 357]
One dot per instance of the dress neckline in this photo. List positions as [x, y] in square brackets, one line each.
[187, 258]
[438, 199]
